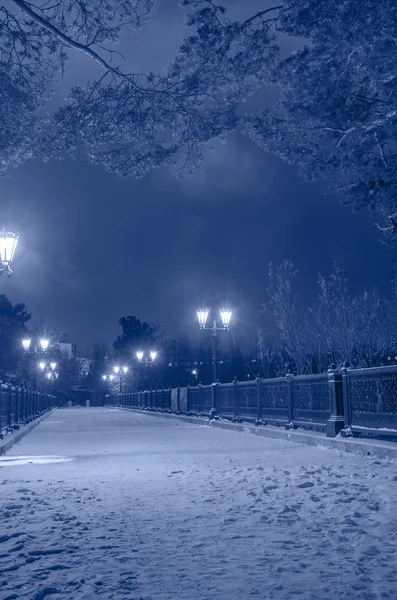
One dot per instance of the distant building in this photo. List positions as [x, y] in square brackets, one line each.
[66, 348]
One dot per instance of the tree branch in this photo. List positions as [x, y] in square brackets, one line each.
[23, 6]
[261, 13]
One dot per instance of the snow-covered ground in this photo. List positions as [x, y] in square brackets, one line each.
[147, 508]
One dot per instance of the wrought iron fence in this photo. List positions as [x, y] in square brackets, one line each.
[348, 401]
[19, 406]
[370, 399]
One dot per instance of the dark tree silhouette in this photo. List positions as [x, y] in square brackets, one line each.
[12, 329]
[136, 335]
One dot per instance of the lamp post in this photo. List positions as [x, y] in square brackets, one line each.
[39, 348]
[202, 316]
[120, 373]
[146, 361]
[8, 244]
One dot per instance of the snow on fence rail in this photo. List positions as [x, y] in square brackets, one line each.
[351, 401]
[20, 405]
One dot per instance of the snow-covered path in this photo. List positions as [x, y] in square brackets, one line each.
[155, 509]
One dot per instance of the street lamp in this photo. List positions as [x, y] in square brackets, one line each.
[8, 244]
[120, 373]
[226, 316]
[39, 347]
[146, 361]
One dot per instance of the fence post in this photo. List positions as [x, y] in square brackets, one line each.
[187, 399]
[258, 402]
[23, 404]
[214, 397]
[336, 422]
[346, 399]
[235, 399]
[9, 399]
[290, 399]
[16, 407]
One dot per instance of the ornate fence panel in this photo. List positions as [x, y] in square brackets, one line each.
[226, 399]
[247, 399]
[372, 399]
[200, 399]
[311, 399]
[273, 394]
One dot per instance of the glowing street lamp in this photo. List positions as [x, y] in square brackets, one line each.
[8, 244]
[26, 344]
[120, 373]
[226, 315]
[53, 366]
[146, 361]
[202, 316]
[44, 344]
[36, 348]
[104, 377]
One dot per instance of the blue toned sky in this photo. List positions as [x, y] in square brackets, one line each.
[95, 247]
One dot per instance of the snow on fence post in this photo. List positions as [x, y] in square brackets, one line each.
[290, 399]
[336, 422]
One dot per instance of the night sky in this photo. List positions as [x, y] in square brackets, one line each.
[94, 247]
